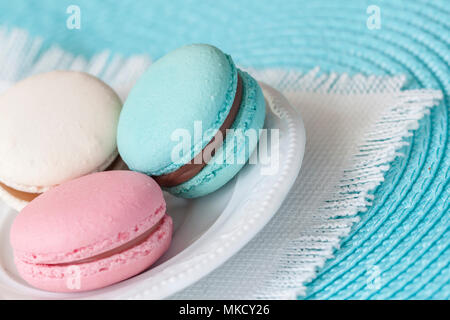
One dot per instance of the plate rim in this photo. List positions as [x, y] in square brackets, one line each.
[280, 106]
[202, 257]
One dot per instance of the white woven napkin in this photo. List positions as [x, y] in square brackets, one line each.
[354, 127]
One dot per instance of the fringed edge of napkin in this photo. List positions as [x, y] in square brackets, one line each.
[22, 55]
[363, 174]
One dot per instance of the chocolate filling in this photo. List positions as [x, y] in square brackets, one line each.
[192, 168]
[124, 247]
[117, 164]
[20, 195]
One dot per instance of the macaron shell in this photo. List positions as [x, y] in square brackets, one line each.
[109, 163]
[103, 272]
[193, 83]
[87, 216]
[216, 174]
[54, 127]
[19, 199]
[14, 198]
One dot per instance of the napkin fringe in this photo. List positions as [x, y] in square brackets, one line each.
[365, 171]
[22, 55]
[333, 83]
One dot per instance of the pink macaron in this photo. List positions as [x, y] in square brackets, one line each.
[91, 232]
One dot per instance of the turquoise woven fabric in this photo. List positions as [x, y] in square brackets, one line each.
[404, 237]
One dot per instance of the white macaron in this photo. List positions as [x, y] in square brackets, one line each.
[54, 127]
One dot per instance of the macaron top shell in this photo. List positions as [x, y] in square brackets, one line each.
[54, 127]
[86, 217]
[193, 83]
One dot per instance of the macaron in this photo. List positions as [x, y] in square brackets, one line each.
[91, 232]
[195, 91]
[54, 127]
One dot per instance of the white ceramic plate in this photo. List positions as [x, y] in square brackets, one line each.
[207, 231]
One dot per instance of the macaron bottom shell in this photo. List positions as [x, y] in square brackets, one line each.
[103, 272]
[219, 171]
[20, 197]
[14, 198]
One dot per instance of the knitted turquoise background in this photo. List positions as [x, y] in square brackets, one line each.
[405, 235]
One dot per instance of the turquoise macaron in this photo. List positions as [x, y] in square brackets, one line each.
[191, 121]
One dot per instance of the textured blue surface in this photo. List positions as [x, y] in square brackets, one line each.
[404, 237]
